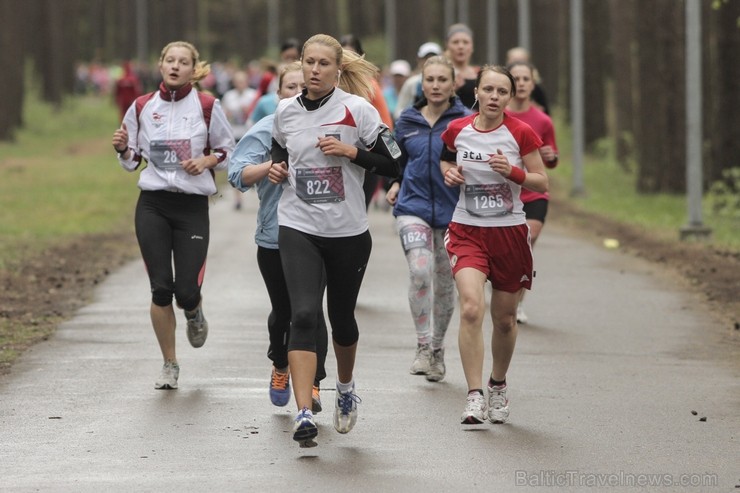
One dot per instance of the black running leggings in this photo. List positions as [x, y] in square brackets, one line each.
[278, 322]
[173, 226]
[305, 257]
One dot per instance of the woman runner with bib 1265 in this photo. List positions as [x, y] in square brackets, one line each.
[323, 141]
[490, 156]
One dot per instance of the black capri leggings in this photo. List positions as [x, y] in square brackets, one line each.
[278, 322]
[175, 226]
[344, 260]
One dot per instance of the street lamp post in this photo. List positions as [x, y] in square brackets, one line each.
[694, 228]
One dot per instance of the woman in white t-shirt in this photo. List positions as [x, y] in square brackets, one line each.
[323, 141]
[490, 156]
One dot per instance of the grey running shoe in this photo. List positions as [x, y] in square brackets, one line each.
[437, 367]
[197, 327]
[422, 360]
[475, 410]
[168, 377]
[345, 412]
[498, 404]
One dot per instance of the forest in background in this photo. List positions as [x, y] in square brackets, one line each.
[634, 57]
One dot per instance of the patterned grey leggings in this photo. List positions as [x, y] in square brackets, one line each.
[431, 285]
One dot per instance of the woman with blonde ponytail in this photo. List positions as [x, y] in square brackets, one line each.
[322, 142]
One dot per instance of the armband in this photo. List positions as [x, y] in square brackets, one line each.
[517, 175]
[448, 155]
[390, 144]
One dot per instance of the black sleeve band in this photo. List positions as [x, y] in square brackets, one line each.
[278, 153]
[448, 155]
[378, 160]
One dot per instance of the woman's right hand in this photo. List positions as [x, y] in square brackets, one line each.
[454, 176]
[391, 196]
[278, 172]
[120, 138]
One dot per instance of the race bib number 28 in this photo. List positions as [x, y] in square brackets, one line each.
[168, 154]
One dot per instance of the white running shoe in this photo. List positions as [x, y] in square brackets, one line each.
[305, 429]
[345, 412]
[475, 410]
[422, 360]
[521, 317]
[498, 404]
[437, 367]
[168, 377]
[197, 327]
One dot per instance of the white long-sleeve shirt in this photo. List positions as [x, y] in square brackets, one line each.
[171, 127]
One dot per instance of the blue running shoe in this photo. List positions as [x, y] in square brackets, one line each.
[279, 388]
[304, 428]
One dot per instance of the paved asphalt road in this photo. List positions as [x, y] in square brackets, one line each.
[603, 385]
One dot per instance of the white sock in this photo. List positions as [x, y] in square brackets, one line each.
[345, 387]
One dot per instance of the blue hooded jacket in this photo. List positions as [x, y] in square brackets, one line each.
[423, 192]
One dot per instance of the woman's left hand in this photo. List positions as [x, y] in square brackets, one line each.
[500, 164]
[331, 146]
[196, 166]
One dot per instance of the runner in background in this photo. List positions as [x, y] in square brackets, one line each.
[372, 182]
[410, 92]
[128, 87]
[538, 97]
[459, 49]
[248, 167]
[521, 107]
[423, 207]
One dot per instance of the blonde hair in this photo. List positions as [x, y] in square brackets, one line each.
[440, 60]
[200, 68]
[357, 74]
[291, 67]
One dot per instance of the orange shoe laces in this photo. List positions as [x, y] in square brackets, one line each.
[279, 380]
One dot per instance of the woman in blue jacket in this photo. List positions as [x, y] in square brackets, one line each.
[423, 207]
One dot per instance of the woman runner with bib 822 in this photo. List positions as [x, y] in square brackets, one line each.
[490, 156]
[323, 141]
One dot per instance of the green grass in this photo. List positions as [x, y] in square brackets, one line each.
[610, 191]
[61, 178]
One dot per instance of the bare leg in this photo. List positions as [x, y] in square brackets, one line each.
[302, 372]
[535, 228]
[470, 283]
[505, 329]
[164, 322]
[345, 361]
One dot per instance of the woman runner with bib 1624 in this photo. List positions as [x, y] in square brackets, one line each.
[490, 156]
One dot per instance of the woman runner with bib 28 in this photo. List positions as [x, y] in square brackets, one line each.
[323, 141]
[171, 131]
[490, 156]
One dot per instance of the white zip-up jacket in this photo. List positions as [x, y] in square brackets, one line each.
[169, 128]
